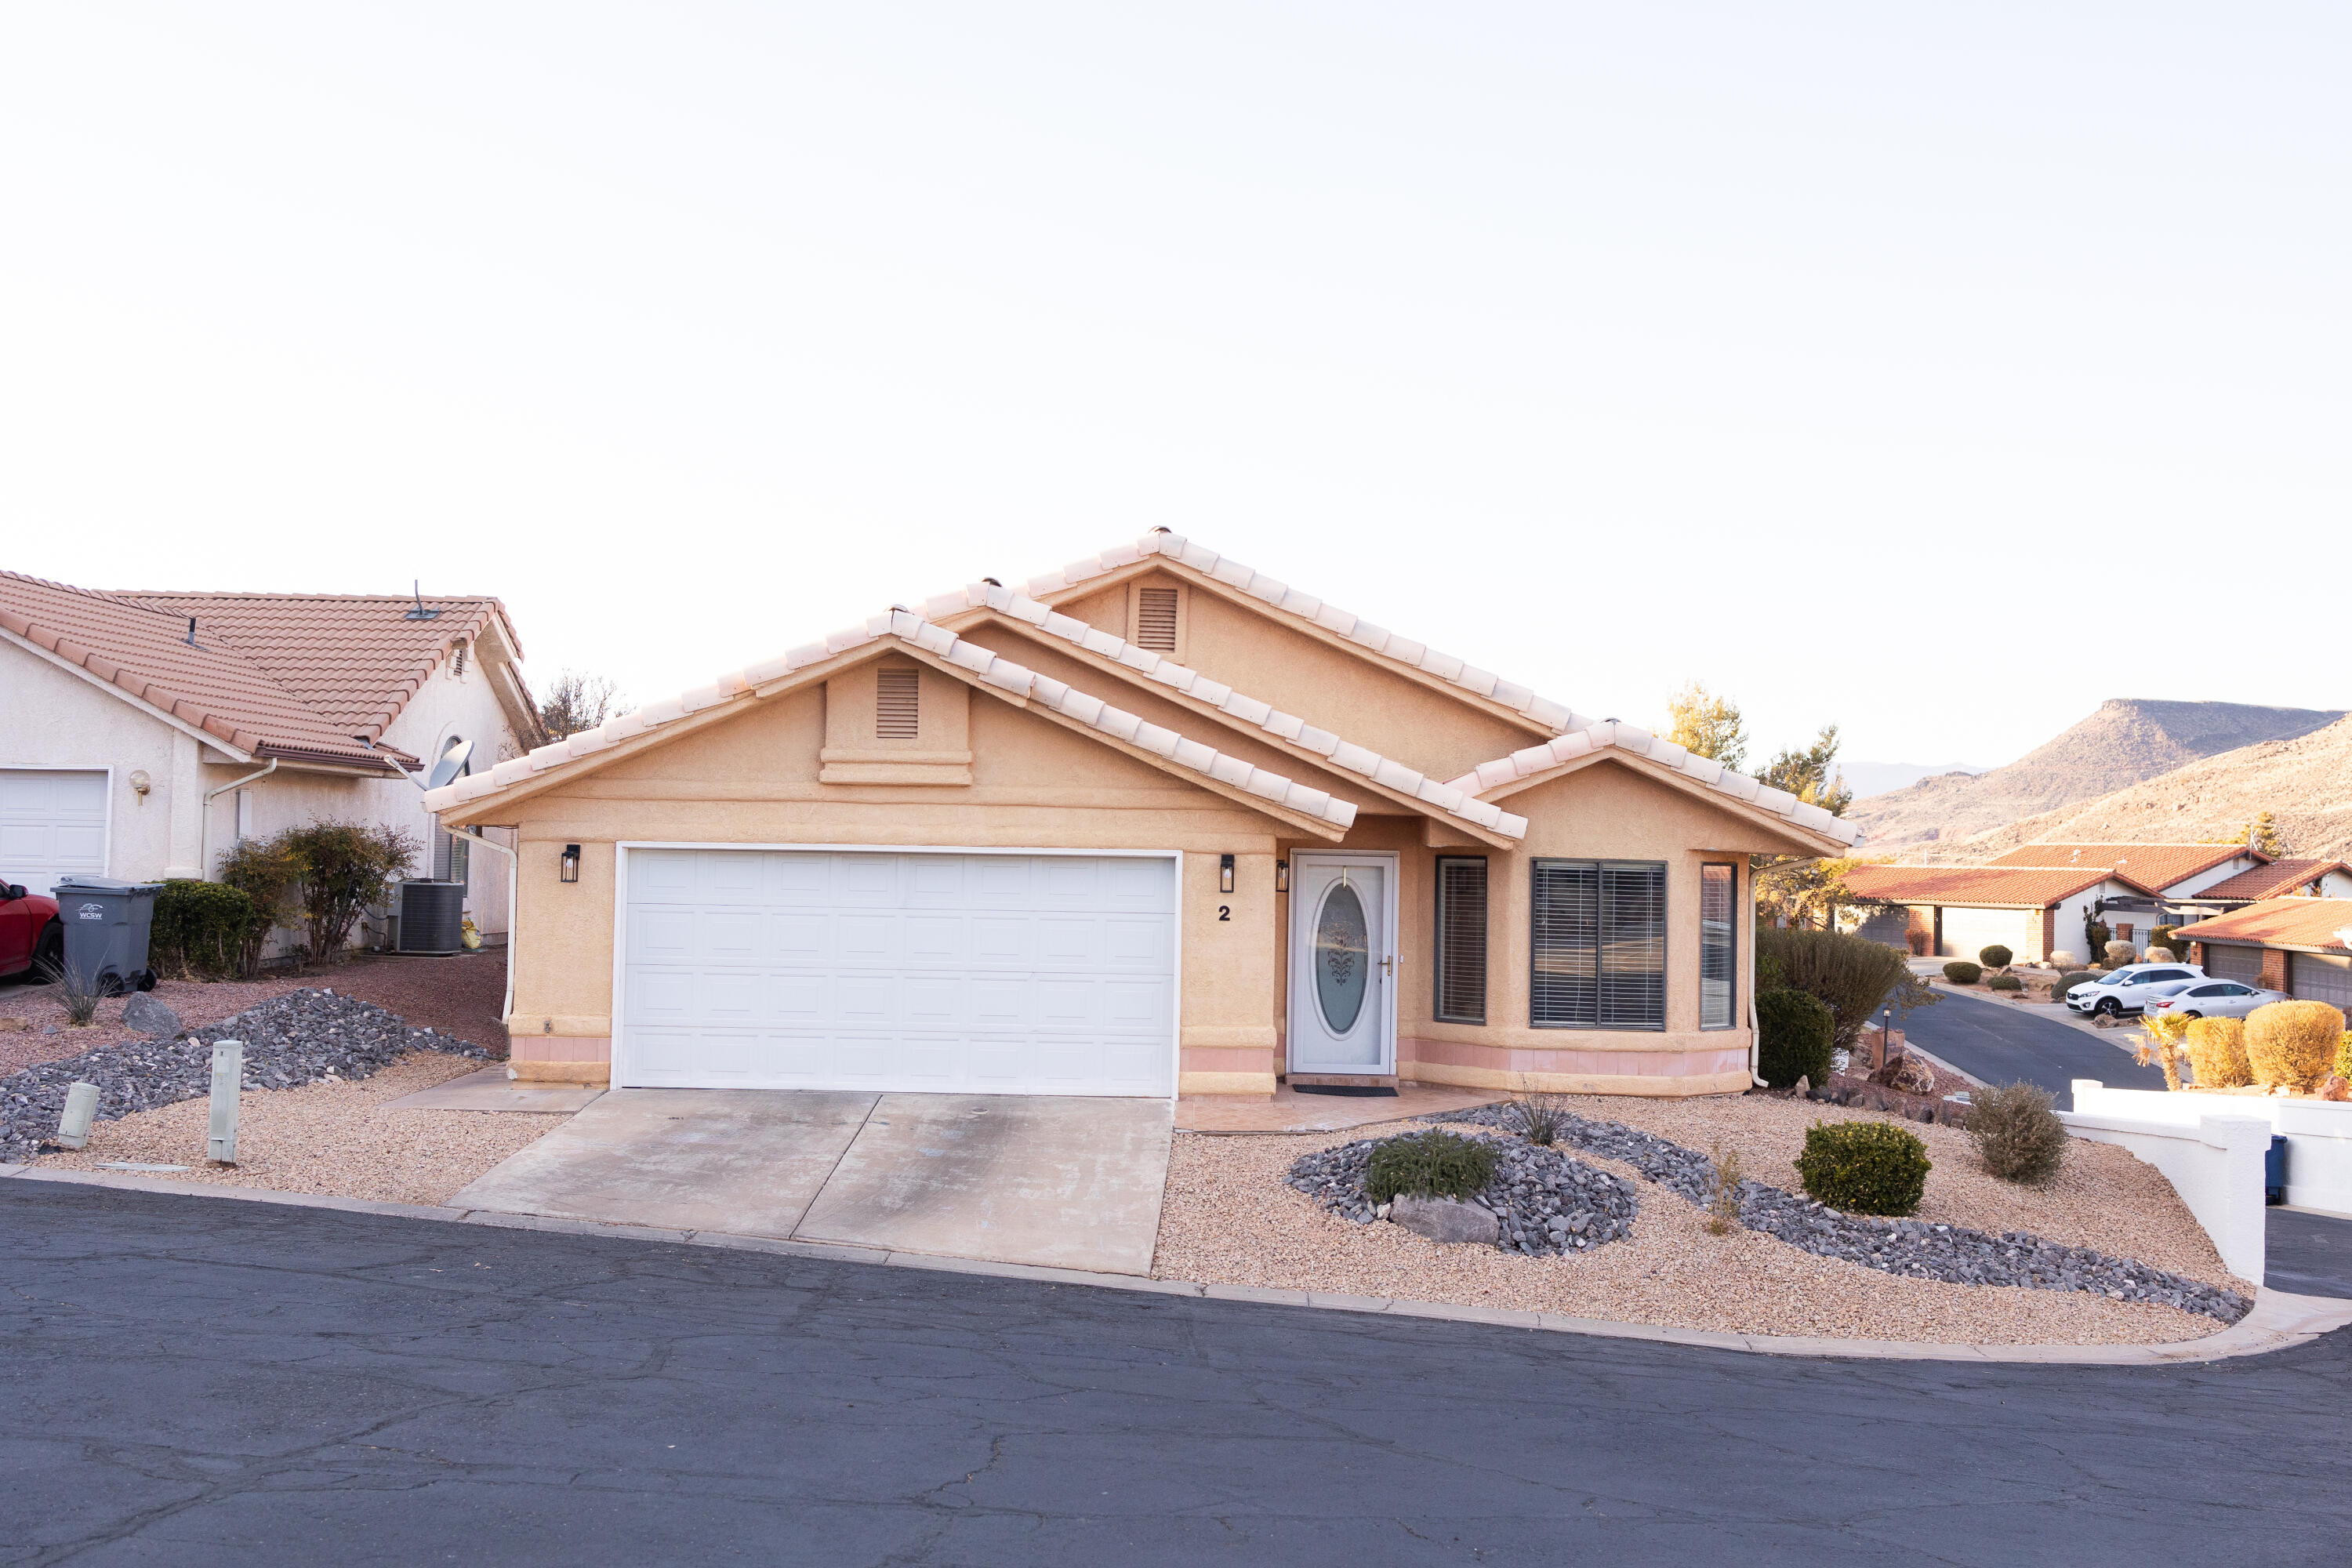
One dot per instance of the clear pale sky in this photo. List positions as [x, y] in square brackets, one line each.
[1933, 371]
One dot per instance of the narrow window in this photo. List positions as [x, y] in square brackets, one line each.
[1461, 941]
[1718, 953]
[1155, 619]
[896, 714]
[1599, 940]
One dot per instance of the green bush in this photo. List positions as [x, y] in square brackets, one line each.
[2016, 1132]
[346, 866]
[1960, 972]
[1864, 1167]
[2162, 937]
[2004, 983]
[203, 929]
[1430, 1165]
[1796, 1033]
[2068, 982]
[1852, 974]
[1994, 957]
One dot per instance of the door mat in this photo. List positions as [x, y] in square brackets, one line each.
[1354, 1090]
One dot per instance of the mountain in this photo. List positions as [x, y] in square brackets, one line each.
[2304, 783]
[2127, 742]
[1877, 778]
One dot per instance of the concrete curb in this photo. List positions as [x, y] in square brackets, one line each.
[2278, 1321]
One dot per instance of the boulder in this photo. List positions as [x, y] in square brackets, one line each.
[1907, 1074]
[1445, 1219]
[2336, 1088]
[151, 1017]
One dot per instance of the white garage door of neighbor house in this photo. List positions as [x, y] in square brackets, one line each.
[52, 825]
[941, 973]
[1969, 932]
[2321, 977]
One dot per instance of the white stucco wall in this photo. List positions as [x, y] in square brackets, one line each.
[2206, 879]
[2212, 1154]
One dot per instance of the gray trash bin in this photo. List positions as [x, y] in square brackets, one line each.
[106, 931]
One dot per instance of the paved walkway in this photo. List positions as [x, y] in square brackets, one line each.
[196, 1379]
[2001, 1043]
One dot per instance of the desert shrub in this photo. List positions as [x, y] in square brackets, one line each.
[2017, 1133]
[1994, 957]
[2158, 955]
[1797, 1033]
[2004, 983]
[1864, 1167]
[2217, 1053]
[2162, 937]
[2119, 953]
[1853, 976]
[346, 866]
[1432, 1164]
[1539, 1116]
[2062, 960]
[2344, 1057]
[1917, 940]
[2094, 938]
[1960, 972]
[202, 930]
[1723, 1192]
[2292, 1043]
[2069, 981]
[266, 870]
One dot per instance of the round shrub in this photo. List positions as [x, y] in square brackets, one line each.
[2292, 1043]
[1864, 1167]
[2217, 1053]
[1798, 1030]
[202, 929]
[2062, 960]
[1960, 972]
[2068, 982]
[2018, 1136]
[1994, 957]
[1432, 1164]
[2004, 983]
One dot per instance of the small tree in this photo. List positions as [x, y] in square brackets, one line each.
[1852, 975]
[1811, 775]
[346, 866]
[1708, 725]
[577, 701]
[266, 870]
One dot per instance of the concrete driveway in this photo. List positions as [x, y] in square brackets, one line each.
[1061, 1182]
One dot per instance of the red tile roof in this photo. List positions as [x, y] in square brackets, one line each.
[2280, 877]
[2156, 866]
[1993, 887]
[2280, 922]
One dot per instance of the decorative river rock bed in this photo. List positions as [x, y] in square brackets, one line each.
[1544, 1202]
[1912, 1248]
[303, 1037]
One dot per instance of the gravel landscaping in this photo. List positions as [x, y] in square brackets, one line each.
[1546, 1204]
[300, 1037]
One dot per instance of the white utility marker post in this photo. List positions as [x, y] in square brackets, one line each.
[228, 1077]
[81, 1110]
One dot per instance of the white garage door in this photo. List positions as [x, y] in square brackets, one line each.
[1968, 933]
[925, 971]
[52, 825]
[2321, 977]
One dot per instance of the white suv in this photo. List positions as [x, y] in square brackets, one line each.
[2130, 988]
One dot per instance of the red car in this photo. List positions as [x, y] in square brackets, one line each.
[31, 935]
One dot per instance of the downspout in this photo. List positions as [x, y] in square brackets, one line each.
[514, 901]
[204, 819]
[1755, 1034]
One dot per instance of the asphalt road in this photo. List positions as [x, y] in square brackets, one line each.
[2001, 1042]
[196, 1381]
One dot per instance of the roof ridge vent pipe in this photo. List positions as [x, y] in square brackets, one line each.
[192, 631]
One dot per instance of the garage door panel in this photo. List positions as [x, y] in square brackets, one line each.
[1003, 973]
[52, 825]
[2321, 977]
[2240, 963]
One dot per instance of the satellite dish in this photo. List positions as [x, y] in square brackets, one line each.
[452, 763]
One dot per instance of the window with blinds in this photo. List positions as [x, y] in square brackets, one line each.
[1155, 619]
[1718, 951]
[1600, 945]
[1461, 963]
[896, 716]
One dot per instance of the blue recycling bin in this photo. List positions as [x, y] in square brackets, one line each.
[107, 925]
[2274, 1170]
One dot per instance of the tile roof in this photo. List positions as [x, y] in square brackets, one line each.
[2272, 881]
[2281, 923]
[1637, 742]
[2158, 866]
[1964, 887]
[981, 665]
[212, 684]
[354, 659]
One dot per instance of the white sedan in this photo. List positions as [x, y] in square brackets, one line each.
[2215, 999]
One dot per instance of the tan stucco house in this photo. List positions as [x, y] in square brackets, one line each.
[1153, 823]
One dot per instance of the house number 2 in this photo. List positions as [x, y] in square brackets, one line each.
[1224, 911]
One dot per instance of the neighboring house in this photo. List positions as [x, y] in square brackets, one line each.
[1150, 823]
[2176, 877]
[2302, 946]
[143, 735]
[1959, 910]
[2279, 880]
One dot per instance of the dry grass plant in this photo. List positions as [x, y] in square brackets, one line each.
[2017, 1133]
[2217, 1052]
[2293, 1043]
[1539, 1116]
[1722, 1197]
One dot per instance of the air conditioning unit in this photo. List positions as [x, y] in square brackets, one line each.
[432, 918]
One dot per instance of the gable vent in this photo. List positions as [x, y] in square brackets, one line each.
[896, 716]
[1155, 619]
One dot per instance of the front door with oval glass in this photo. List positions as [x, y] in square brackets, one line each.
[1342, 1005]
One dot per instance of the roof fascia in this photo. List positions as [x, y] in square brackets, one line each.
[227, 748]
[1807, 841]
[1238, 725]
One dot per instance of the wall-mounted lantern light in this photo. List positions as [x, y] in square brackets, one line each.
[1224, 873]
[568, 868]
[1282, 876]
